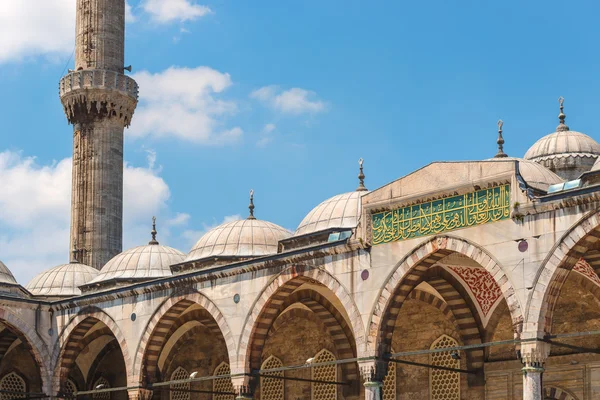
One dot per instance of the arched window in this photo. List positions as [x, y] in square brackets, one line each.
[105, 385]
[183, 393]
[324, 391]
[444, 385]
[222, 384]
[14, 384]
[389, 382]
[70, 387]
[272, 388]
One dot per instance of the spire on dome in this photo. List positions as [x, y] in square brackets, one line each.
[251, 206]
[361, 178]
[500, 141]
[153, 232]
[561, 117]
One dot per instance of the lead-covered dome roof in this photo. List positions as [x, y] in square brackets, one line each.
[245, 238]
[62, 281]
[5, 275]
[338, 212]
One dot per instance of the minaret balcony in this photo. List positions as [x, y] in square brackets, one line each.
[98, 79]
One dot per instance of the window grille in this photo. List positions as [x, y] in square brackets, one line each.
[389, 382]
[444, 385]
[101, 395]
[324, 391]
[12, 383]
[222, 384]
[270, 388]
[179, 374]
[70, 387]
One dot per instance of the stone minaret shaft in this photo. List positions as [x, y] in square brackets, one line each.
[99, 102]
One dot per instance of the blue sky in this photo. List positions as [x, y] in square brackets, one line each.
[283, 97]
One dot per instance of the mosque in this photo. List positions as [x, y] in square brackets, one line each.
[461, 280]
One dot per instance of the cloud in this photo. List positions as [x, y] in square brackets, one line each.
[33, 27]
[183, 103]
[35, 202]
[165, 11]
[292, 101]
[266, 135]
[129, 17]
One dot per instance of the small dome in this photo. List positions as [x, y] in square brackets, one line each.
[534, 174]
[141, 263]
[341, 211]
[567, 153]
[244, 238]
[62, 281]
[5, 275]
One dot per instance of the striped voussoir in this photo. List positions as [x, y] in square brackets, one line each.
[556, 393]
[7, 338]
[334, 321]
[575, 243]
[106, 350]
[166, 320]
[268, 305]
[69, 344]
[191, 334]
[412, 270]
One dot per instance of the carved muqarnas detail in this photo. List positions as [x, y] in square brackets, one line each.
[100, 104]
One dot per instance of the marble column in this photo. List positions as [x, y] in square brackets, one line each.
[373, 372]
[373, 390]
[534, 355]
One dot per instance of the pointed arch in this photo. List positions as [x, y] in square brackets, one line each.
[12, 382]
[164, 319]
[324, 391]
[223, 385]
[444, 385]
[552, 392]
[267, 306]
[555, 268]
[411, 270]
[103, 383]
[270, 388]
[70, 340]
[180, 391]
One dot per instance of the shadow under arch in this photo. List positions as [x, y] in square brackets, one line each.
[555, 269]
[411, 270]
[69, 341]
[32, 342]
[171, 308]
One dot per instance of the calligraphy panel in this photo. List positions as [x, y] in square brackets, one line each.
[443, 215]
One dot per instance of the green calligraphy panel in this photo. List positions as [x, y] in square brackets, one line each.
[444, 215]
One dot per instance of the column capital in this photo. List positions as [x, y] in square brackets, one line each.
[534, 354]
[139, 394]
[373, 372]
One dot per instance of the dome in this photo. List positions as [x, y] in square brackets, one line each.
[534, 174]
[141, 263]
[5, 275]
[244, 238]
[61, 281]
[341, 211]
[567, 153]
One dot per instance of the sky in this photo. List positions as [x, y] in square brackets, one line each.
[282, 97]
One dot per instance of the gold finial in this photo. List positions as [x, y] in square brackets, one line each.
[251, 206]
[361, 178]
[153, 232]
[500, 141]
[561, 117]
[74, 252]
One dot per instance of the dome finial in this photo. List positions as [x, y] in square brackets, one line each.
[74, 252]
[251, 206]
[153, 232]
[500, 141]
[561, 126]
[361, 178]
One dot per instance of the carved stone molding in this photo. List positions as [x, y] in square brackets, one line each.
[534, 354]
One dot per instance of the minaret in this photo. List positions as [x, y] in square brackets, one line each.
[99, 101]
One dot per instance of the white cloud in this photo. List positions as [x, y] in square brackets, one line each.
[129, 17]
[292, 101]
[165, 11]
[184, 103]
[33, 27]
[266, 135]
[35, 202]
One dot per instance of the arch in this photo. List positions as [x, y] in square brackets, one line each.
[554, 271]
[410, 271]
[223, 385]
[165, 316]
[180, 374]
[68, 344]
[12, 382]
[272, 389]
[444, 385]
[556, 393]
[274, 294]
[102, 383]
[323, 391]
[32, 341]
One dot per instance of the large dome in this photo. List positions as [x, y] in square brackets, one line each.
[243, 238]
[61, 281]
[567, 153]
[341, 211]
[5, 275]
